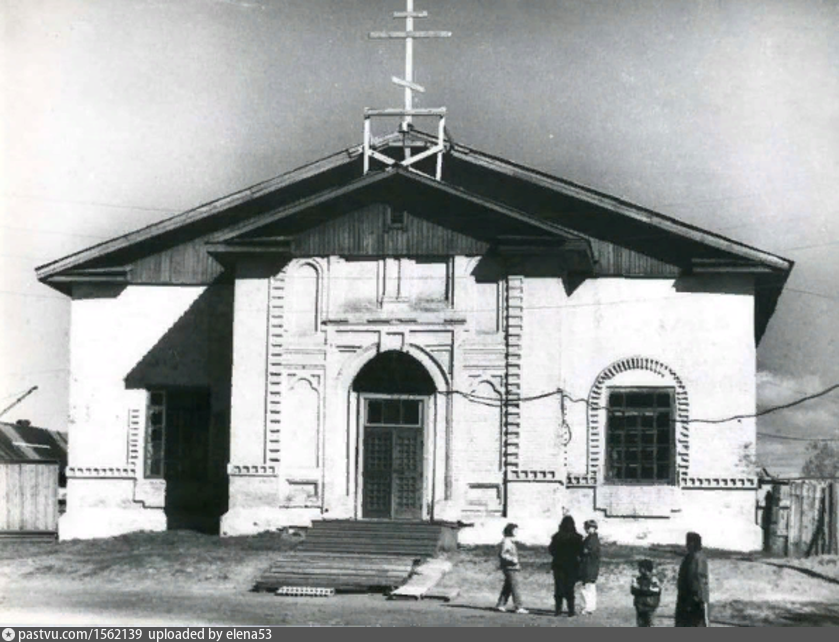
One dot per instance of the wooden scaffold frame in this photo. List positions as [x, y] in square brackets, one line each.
[407, 112]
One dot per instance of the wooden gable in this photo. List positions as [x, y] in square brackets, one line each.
[378, 230]
[481, 202]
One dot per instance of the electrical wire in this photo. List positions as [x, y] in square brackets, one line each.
[503, 402]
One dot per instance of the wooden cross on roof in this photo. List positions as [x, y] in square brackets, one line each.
[407, 112]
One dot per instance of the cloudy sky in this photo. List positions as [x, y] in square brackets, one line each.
[723, 113]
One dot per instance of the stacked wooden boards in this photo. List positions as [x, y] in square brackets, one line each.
[356, 555]
[338, 571]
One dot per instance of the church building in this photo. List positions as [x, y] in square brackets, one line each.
[412, 329]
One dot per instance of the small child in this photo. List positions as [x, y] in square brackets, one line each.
[508, 558]
[647, 592]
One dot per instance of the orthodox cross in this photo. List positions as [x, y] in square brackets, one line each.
[407, 112]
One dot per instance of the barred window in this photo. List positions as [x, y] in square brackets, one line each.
[640, 436]
[155, 430]
[177, 433]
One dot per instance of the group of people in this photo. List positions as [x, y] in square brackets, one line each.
[576, 559]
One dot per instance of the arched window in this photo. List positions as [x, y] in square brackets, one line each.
[638, 424]
[303, 300]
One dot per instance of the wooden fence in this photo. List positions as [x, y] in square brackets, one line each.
[28, 498]
[800, 518]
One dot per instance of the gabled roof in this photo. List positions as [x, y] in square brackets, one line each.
[469, 176]
[405, 181]
[22, 442]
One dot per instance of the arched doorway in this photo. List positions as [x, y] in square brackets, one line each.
[394, 393]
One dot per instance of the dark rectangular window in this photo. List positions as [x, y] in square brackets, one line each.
[155, 432]
[396, 219]
[178, 433]
[640, 436]
[394, 412]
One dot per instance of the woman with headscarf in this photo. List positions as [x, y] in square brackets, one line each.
[565, 549]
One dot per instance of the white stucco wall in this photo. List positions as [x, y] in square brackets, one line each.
[114, 339]
[108, 338]
[701, 330]
[250, 354]
[705, 335]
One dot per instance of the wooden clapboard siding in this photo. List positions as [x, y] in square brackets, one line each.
[614, 260]
[29, 493]
[186, 264]
[365, 232]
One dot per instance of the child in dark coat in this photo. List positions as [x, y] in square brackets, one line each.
[647, 592]
[565, 548]
[589, 567]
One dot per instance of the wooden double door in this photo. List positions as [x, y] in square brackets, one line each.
[392, 456]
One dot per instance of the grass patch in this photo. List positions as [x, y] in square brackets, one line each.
[172, 556]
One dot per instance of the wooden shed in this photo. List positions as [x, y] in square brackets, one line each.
[32, 461]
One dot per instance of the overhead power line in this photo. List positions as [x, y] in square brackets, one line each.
[501, 401]
[120, 206]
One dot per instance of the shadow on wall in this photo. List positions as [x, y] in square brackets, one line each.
[188, 375]
[493, 269]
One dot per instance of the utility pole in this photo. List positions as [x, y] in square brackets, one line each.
[18, 400]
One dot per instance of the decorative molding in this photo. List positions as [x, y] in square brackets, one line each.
[496, 384]
[534, 475]
[749, 483]
[484, 498]
[494, 379]
[581, 480]
[308, 420]
[151, 493]
[274, 381]
[514, 332]
[597, 412]
[313, 377]
[484, 358]
[321, 271]
[391, 341]
[638, 500]
[252, 470]
[135, 438]
[101, 472]
[302, 493]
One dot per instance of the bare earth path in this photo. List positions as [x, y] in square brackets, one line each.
[182, 578]
[91, 606]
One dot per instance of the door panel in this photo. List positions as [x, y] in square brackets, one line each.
[392, 475]
[378, 464]
[407, 473]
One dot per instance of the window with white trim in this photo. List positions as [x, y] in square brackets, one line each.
[640, 436]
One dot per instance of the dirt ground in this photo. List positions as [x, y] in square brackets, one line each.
[183, 578]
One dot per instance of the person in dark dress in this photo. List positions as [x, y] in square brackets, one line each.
[693, 594]
[565, 549]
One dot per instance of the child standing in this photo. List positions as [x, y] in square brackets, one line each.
[508, 557]
[647, 592]
[589, 567]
